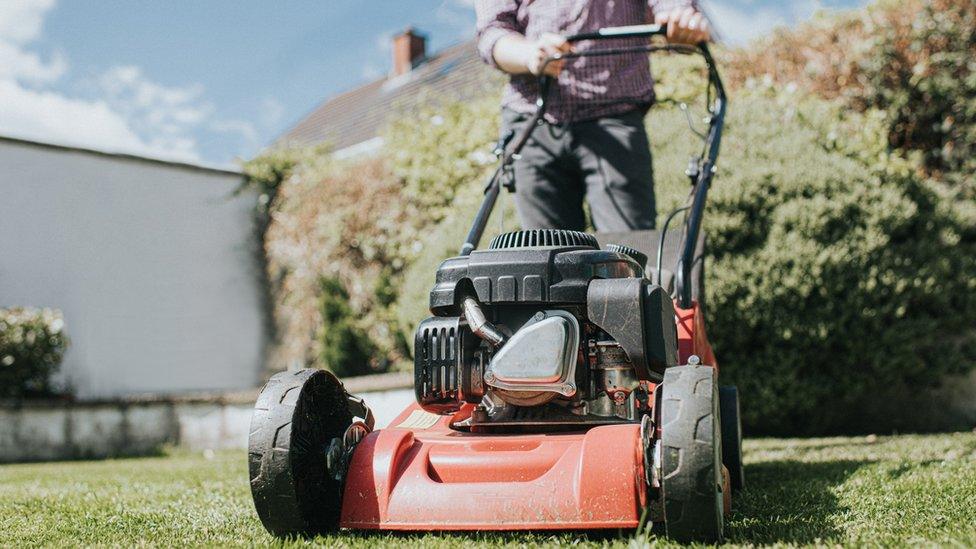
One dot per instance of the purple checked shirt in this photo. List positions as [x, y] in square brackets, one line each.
[589, 87]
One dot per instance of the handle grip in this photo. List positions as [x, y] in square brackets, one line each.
[630, 31]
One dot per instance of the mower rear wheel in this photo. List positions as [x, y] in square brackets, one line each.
[732, 435]
[691, 458]
[296, 416]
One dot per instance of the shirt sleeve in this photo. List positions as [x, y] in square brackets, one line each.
[664, 6]
[495, 19]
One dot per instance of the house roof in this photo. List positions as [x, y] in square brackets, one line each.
[358, 115]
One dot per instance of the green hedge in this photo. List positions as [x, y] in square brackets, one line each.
[834, 271]
[912, 59]
[32, 344]
[838, 278]
[841, 271]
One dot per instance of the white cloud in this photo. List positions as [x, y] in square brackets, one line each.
[129, 113]
[26, 66]
[384, 40]
[153, 107]
[20, 23]
[21, 20]
[49, 116]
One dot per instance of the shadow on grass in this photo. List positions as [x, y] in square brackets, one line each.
[790, 502]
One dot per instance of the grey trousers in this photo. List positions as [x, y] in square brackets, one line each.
[607, 161]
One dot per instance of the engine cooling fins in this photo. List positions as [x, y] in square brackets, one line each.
[632, 253]
[536, 238]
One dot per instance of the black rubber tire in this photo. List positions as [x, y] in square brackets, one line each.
[731, 435]
[691, 454]
[295, 417]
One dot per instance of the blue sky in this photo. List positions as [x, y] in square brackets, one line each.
[214, 80]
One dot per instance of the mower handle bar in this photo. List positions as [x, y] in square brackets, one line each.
[693, 219]
[631, 31]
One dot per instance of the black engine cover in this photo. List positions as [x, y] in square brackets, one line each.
[551, 275]
[517, 276]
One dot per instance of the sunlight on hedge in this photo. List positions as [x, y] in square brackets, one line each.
[842, 263]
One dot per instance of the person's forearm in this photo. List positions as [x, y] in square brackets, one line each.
[512, 53]
[515, 54]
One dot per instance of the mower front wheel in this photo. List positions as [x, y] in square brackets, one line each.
[295, 418]
[691, 460]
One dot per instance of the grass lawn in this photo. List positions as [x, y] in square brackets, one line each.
[905, 490]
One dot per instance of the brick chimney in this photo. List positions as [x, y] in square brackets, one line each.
[409, 48]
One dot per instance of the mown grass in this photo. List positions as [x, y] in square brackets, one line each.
[889, 491]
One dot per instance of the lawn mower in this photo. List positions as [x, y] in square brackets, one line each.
[562, 383]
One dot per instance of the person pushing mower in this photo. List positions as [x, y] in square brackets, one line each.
[595, 145]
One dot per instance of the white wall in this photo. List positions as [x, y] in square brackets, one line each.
[153, 265]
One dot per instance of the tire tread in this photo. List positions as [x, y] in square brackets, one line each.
[690, 436]
[279, 500]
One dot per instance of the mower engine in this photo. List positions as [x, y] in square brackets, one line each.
[544, 330]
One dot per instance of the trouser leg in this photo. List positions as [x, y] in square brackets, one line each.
[615, 157]
[549, 188]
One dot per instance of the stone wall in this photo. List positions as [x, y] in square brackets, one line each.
[46, 431]
[49, 431]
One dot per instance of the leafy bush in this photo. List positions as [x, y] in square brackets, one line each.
[267, 173]
[32, 344]
[343, 347]
[342, 222]
[441, 150]
[911, 59]
[835, 270]
[837, 275]
[842, 268]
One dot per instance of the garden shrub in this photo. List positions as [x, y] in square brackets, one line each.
[343, 347]
[343, 222]
[911, 59]
[269, 171]
[842, 260]
[32, 345]
[440, 150]
[824, 249]
[838, 277]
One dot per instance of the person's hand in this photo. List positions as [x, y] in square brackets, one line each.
[685, 26]
[546, 46]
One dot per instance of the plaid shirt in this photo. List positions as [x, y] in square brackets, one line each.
[588, 87]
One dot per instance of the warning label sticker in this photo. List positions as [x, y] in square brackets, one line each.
[419, 419]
